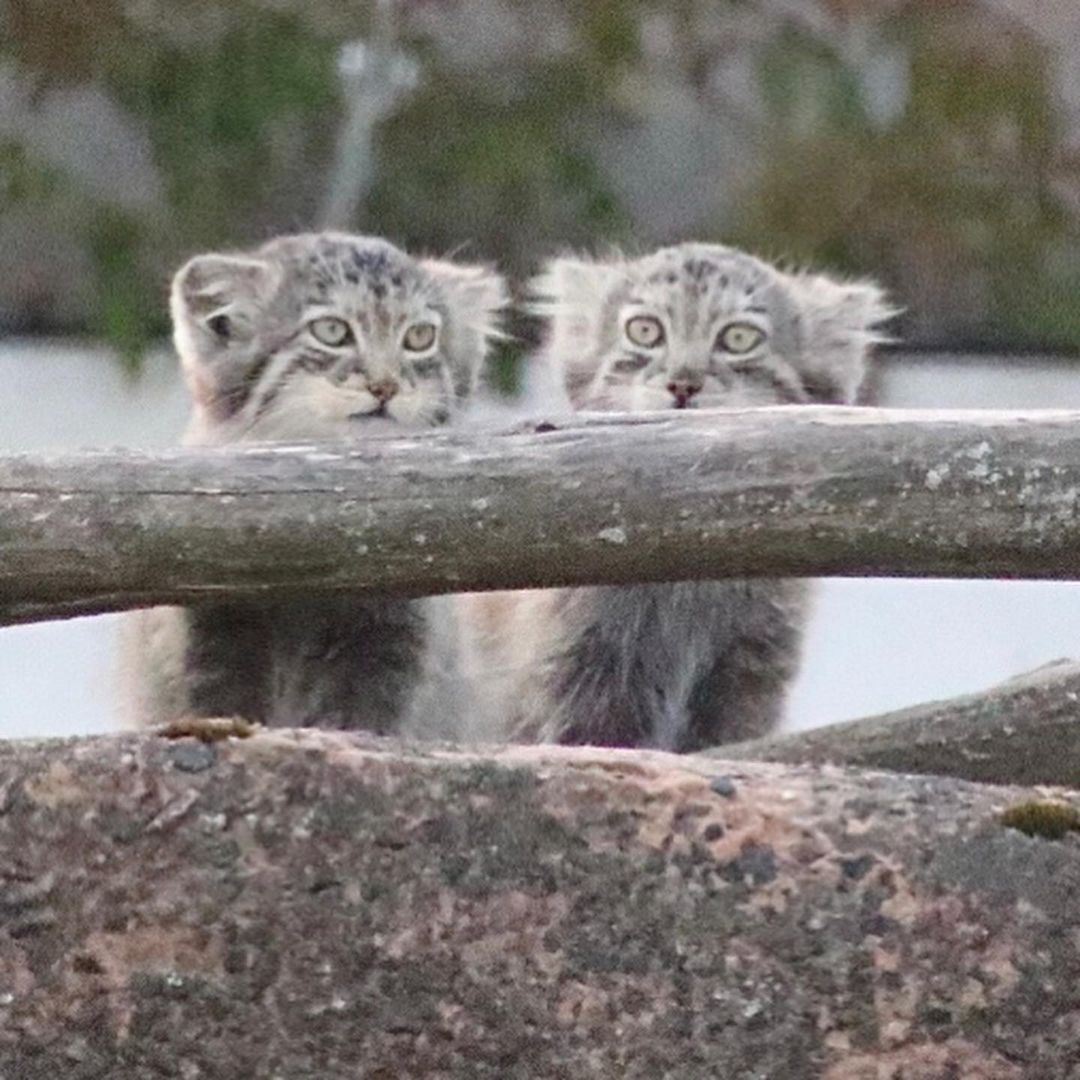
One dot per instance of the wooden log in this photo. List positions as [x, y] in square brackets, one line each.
[1025, 731]
[606, 500]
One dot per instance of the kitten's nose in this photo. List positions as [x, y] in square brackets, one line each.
[683, 389]
[384, 389]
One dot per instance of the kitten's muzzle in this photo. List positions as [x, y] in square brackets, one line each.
[682, 390]
[383, 389]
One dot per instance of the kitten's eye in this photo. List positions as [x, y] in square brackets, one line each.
[220, 326]
[739, 338]
[630, 363]
[645, 331]
[330, 331]
[420, 337]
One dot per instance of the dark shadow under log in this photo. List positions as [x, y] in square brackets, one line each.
[313, 905]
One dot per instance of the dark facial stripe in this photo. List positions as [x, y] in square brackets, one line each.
[235, 386]
[272, 392]
[791, 390]
[316, 362]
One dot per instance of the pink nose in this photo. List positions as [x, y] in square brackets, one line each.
[384, 389]
[682, 390]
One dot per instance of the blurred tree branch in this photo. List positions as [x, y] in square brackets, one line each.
[375, 75]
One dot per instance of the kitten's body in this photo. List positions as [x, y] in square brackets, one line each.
[677, 667]
[688, 665]
[242, 329]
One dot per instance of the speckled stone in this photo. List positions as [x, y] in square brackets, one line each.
[314, 906]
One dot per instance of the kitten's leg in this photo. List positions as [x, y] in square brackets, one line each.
[334, 663]
[601, 682]
[227, 660]
[741, 694]
[151, 684]
[677, 667]
[200, 662]
[598, 696]
[348, 664]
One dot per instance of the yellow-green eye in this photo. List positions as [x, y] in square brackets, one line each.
[420, 337]
[645, 331]
[330, 331]
[740, 337]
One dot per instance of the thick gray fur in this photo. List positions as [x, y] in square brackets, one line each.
[256, 372]
[690, 665]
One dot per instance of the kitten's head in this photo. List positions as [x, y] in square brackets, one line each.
[322, 335]
[702, 325]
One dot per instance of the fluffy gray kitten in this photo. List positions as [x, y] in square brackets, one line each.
[317, 336]
[689, 665]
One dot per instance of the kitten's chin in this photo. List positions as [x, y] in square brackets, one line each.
[345, 426]
[346, 416]
[666, 403]
[387, 417]
[375, 413]
[373, 423]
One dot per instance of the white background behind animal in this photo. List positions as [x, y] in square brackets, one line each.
[872, 645]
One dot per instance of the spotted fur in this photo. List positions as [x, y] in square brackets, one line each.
[257, 371]
[694, 664]
[241, 326]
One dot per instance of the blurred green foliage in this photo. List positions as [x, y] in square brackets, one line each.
[212, 114]
[951, 193]
[959, 190]
[455, 164]
[22, 178]
[215, 105]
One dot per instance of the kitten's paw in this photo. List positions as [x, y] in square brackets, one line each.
[208, 728]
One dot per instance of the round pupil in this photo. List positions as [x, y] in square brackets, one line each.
[331, 331]
[741, 338]
[645, 331]
[420, 337]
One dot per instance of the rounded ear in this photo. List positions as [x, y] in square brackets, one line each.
[209, 286]
[215, 301]
[839, 322]
[571, 294]
[475, 296]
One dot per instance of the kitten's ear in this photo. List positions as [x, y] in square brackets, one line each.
[476, 294]
[839, 322]
[215, 302]
[475, 297]
[571, 294]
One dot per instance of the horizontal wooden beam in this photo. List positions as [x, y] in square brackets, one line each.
[607, 500]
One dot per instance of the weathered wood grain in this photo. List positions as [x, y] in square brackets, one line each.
[1024, 731]
[781, 492]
